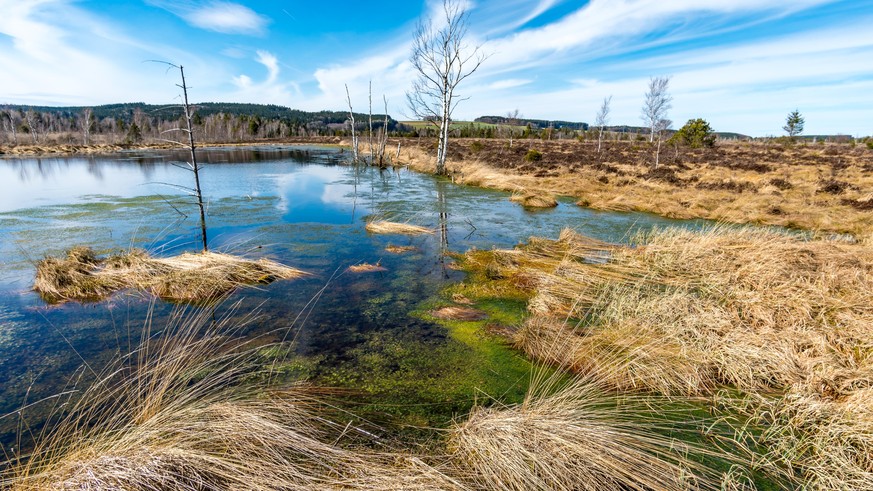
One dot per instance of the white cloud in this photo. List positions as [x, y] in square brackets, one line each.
[508, 83]
[58, 54]
[228, 18]
[269, 91]
[218, 16]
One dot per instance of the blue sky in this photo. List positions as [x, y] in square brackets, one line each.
[742, 64]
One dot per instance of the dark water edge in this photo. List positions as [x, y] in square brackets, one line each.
[302, 206]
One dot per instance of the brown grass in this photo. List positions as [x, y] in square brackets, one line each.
[735, 182]
[386, 227]
[783, 318]
[580, 437]
[81, 275]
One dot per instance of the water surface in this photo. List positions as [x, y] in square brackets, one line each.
[302, 206]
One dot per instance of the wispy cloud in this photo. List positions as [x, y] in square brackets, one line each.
[225, 17]
[508, 83]
[271, 90]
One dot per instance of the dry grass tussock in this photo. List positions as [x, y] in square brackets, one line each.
[386, 227]
[185, 412]
[582, 437]
[534, 200]
[685, 313]
[81, 275]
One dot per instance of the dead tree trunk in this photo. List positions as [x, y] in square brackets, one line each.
[194, 166]
[370, 132]
[354, 135]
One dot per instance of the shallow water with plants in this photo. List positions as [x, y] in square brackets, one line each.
[369, 334]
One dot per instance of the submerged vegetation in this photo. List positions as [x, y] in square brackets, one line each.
[82, 275]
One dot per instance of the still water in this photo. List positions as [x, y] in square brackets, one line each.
[301, 206]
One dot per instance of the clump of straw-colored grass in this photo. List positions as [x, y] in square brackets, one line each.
[686, 312]
[386, 227]
[186, 411]
[199, 277]
[580, 437]
[534, 200]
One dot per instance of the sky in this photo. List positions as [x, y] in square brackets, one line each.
[742, 65]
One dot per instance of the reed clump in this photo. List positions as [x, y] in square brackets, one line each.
[81, 275]
[397, 228]
[582, 437]
[783, 318]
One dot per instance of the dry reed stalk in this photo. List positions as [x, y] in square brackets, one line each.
[386, 227]
[185, 278]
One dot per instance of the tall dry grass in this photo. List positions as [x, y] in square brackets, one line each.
[584, 436]
[783, 318]
[185, 411]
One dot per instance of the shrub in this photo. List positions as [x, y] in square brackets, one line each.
[476, 146]
[533, 155]
[696, 133]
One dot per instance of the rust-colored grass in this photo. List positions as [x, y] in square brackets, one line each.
[83, 276]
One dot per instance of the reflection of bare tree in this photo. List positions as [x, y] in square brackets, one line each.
[95, 169]
[442, 211]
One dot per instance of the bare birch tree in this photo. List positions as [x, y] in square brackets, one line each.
[8, 118]
[660, 127]
[512, 118]
[602, 120]
[442, 61]
[657, 103]
[87, 123]
[32, 119]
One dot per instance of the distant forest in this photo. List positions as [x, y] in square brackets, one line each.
[539, 124]
[138, 122]
[215, 122]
